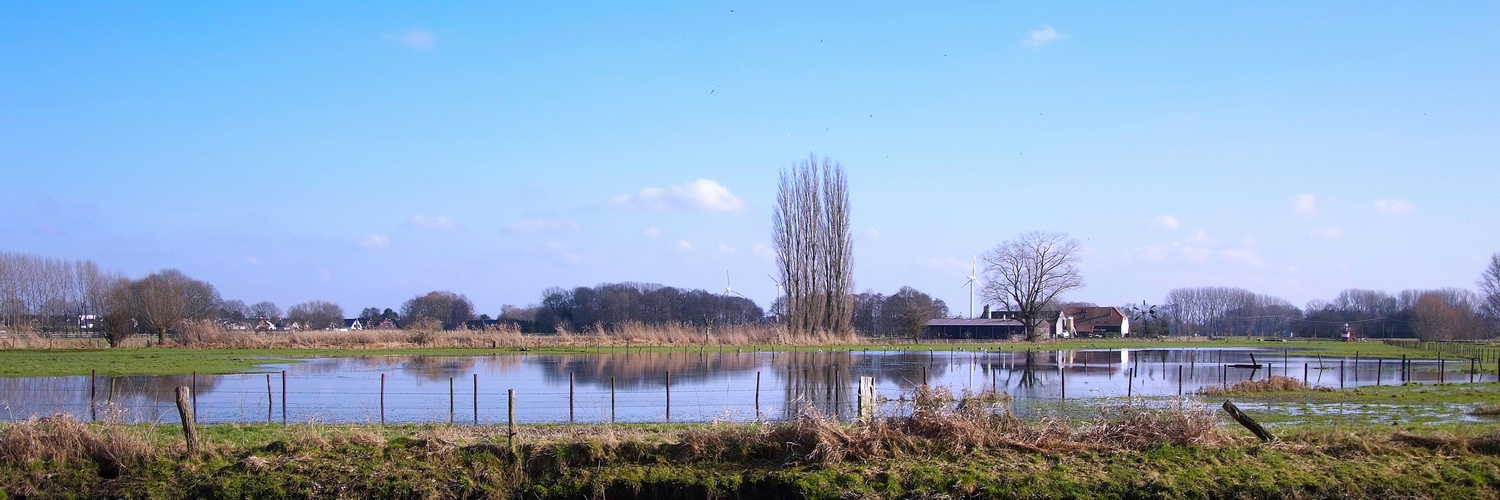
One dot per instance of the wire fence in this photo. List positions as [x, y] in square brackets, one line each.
[1030, 381]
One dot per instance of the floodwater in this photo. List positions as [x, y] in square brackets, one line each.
[707, 386]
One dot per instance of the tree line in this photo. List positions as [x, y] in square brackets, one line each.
[1430, 315]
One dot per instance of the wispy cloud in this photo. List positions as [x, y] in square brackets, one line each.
[1394, 206]
[1042, 36]
[872, 234]
[374, 241]
[702, 194]
[651, 232]
[684, 246]
[1329, 232]
[1153, 253]
[1242, 256]
[762, 250]
[567, 255]
[542, 225]
[1163, 221]
[436, 223]
[1306, 205]
[416, 38]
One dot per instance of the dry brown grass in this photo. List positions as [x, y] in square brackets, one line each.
[1275, 383]
[63, 439]
[208, 334]
[1486, 410]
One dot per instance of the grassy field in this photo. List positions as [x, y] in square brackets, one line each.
[178, 360]
[948, 450]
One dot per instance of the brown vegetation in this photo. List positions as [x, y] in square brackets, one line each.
[1274, 383]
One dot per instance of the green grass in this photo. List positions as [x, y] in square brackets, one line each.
[176, 361]
[1348, 461]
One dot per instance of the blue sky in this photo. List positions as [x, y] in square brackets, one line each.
[365, 154]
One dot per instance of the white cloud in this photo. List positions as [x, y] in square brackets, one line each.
[1394, 206]
[702, 194]
[1196, 254]
[1307, 204]
[540, 225]
[651, 232]
[944, 262]
[416, 38]
[872, 234]
[374, 241]
[726, 249]
[1042, 36]
[438, 223]
[1164, 221]
[1153, 253]
[762, 250]
[684, 246]
[1330, 232]
[566, 254]
[1247, 257]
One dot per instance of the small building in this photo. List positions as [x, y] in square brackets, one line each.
[384, 324]
[1090, 321]
[973, 328]
[353, 324]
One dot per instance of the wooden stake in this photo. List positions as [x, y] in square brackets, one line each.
[757, 395]
[669, 396]
[450, 400]
[611, 399]
[1249, 423]
[382, 399]
[283, 397]
[570, 397]
[510, 403]
[185, 411]
[270, 400]
[476, 399]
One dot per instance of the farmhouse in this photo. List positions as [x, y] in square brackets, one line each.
[1090, 321]
[997, 325]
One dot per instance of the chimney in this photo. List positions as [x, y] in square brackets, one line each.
[986, 314]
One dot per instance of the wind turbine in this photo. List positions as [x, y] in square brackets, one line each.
[778, 285]
[730, 289]
[973, 279]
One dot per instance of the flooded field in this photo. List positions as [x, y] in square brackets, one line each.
[677, 386]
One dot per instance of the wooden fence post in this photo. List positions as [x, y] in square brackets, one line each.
[757, 395]
[283, 397]
[611, 399]
[185, 411]
[570, 397]
[669, 396]
[382, 399]
[450, 400]
[510, 398]
[476, 399]
[1249, 423]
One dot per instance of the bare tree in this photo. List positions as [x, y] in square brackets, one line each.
[449, 309]
[1489, 289]
[317, 315]
[117, 311]
[265, 310]
[160, 301]
[814, 246]
[1030, 272]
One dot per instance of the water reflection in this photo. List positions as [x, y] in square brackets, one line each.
[739, 385]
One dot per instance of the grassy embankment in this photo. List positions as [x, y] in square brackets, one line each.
[945, 449]
[183, 360]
